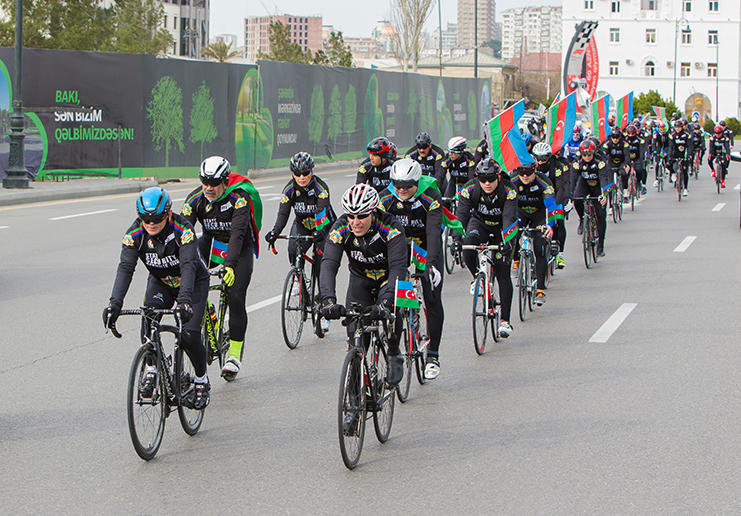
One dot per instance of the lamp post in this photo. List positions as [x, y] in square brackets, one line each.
[717, 77]
[685, 26]
[16, 175]
[440, 35]
[476, 38]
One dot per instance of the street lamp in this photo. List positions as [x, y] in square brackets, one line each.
[476, 38]
[685, 26]
[16, 175]
[717, 77]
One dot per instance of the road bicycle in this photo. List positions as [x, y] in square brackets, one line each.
[299, 297]
[527, 278]
[452, 252]
[660, 167]
[363, 387]
[173, 387]
[615, 198]
[414, 340]
[678, 181]
[718, 166]
[215, 325]
[590, 235]
[696, 163]
[634, 191]
[486, 313]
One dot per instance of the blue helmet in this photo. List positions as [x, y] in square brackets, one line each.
[153, 201]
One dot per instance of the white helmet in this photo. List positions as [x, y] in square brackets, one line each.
[215, 168]
[457, 144]
[542, 150]
[359, 199]
[406, 169]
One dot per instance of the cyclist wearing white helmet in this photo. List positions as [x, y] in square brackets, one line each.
[459, 163]
[415, 202]
[376, 249]
[557, 171]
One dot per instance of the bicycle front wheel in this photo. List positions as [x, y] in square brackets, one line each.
[586, 241]
[406, 345]
[419, 329]
[522, 288]
[383, 415]
[479, 315]
[146, 415]
[351, 409]
[449, 253]
[190, 418]
[292, 309]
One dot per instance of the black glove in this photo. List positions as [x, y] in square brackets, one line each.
[185, 311]
[271, 236]
[378, 311]
[331, 310]
[457, 245]
[506, 249]
[110, 314]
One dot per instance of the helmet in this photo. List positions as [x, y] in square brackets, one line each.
[615, 132]
[215, 170]
[722, 123]
[380, 146]
[457, 144]
[359, 199]
[488, 167]
[661, 125]
[577, 134]
[526, 169]
[587, 146]
[677, 123]
[631, 130]
[675, 115]
[153, 201]
[302, 162]
[718, 129]
[696, 126]
[394, 151]
[406, 169]
[423, 139]
[542, 151]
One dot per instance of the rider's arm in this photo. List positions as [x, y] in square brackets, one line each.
[440, 172]
[397, 260]
[189, 262]
[126, 266]
[284, 209]
[433, 227]
[190, 206]
[241, 227]
[362, 176]
[331, 259]
[463, 209]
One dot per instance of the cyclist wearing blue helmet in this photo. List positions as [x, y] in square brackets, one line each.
[165, 242]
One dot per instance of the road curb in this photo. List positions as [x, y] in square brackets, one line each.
[73, 191]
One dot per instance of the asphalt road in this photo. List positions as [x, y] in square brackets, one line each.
[545, 422]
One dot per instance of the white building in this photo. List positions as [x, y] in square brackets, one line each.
[538, 28]
[188, 23]
[636, 41]
[450, 38]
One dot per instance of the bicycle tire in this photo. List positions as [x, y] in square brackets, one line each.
[351, 445]
[479, 317]
[586, 241]
[593, 239]
[292, 304]
[448, 249]
[311, 305]
[190, 419]
[678, 183]
[531, 282]
[620, 205]
[383, 415]
[420, 350]
[407, 351]
[633, 193]
[522, 288]
[146, 446]
[497, 319]
[613, 195]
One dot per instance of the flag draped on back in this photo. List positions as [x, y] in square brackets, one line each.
[625, 110]
[504, 139]
[600, 110]
[241, 182]
[561, 122]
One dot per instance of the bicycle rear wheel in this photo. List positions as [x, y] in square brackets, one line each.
[419, 325]
[383, 415]
[495, 312]
[406, 345]
[351, 409]
[292, 309]
[190, 419]
[522, 287]
[478, 315]
[593, 240]
[146, 416]
[449, 253]
[613, 204]
[586, 241]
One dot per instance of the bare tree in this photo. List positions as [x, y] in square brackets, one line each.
[407, 18]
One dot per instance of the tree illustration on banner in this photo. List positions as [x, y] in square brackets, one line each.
[165, 115]
[253, 133]
[316, 117]
[202, 128]
[372, 114]
[472, 115]
[443, 116]
[350, 121]
[412, 111]
[334, 120]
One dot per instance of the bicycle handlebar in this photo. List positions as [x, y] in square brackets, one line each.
[289, 237]
[145, 311]
[480, 247]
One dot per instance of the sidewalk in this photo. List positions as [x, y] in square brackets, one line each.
[42, 191]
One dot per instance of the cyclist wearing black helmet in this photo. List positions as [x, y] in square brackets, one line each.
[488, 209]
[429, 156]
[166, 244]
[680, 149]
[594, 181]
[637, 148]
[726, 131]
[618, 159]
[719, 146]
[698, 140]
[375, 169]
[224, 208]
[459, 164]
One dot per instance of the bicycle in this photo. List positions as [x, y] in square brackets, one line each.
[696, 164]
[616, 198]
[414, 340]
[453, 255]
[298, 299]
[718, 166]
[214, 328]
[677, 168]
[551, 254]
[363, 386]
[527, 278]
[590, 235]
[173, 388]
[487, 310]
[633, 191]
[660, 166]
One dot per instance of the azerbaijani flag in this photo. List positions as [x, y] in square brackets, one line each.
[504, 139]
[239, 181]
[561, 122]
[660, 112]
[606, 189]
[625, 110]
[321, 219]
[600, 109]
[405, 296]
[643, 119]
[541, 110]
[218, 251]
[555, 214]
[556, 99]
[511, 232]
[419, 257]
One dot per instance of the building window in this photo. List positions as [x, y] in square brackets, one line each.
[713, 5]
[650, 35]
[589, 4]
[614, 35]
[615, 6]
[684, 70]
[712, 37]
[712, 69]
[648, 5]
[614, 68]
[687, 6]
[650, 69]
[686, 37]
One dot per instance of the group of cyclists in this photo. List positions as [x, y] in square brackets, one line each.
[396, 204]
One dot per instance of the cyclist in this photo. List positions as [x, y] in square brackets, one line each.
[726, 131]
[429, 156]
[417, 206]
[374, 170]
[535, 198]
[459, 163]
[719, 145]
[698, 141]
[308, 196]
[616, 154]
[594, 179]
[556, 170]
[165, 243]
[487, 209]
[482, 150]
[680, 148]
[376, 249]
[659, 146]
[571, 149]
[223, 206]
[637, 146]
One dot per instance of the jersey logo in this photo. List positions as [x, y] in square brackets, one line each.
[241, 203]
[187, 237]
[435, 205]
[187, 210]
[511, 194]
[225, 207]
[128, 240]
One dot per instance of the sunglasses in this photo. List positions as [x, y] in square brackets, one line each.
[420, 147]
[152, 219]
[361, 216]
[303, 173]
[403, 185]
[211, 182]
[587, 153]
[527, 173]
[488, 179]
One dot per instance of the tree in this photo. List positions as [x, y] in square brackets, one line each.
[413, 110]
[495, 45]
[281, 48]
[349, 122]
[220, 51]
[202, 128]
[408, 18]
[165, 115]
[644, 101]
[316, 116]
[472, 114]
[138, 28]
[335, 52]
[334, 120]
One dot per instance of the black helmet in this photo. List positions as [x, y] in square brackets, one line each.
[488, 167]
[675, 116]
[394, 151]
[301, 162]
[380, 146]
[526, 169]
[722, 122]
[423, 139]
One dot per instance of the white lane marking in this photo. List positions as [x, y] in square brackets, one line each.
[275, 198]
[737, 187]
[350, 175]
[613, 323]
[83, 214]
[178, 200]
[264, 187]
[3, 227]
[719, 206]
[682, 247]
[262, 304]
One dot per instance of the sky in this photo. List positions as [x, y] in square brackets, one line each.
[354, 19]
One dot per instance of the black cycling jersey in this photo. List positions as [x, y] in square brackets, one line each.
[532, 199]
[431, 163]
[680, 145]
[497, 210]
[482, 149]
[698, 141]
[378, 177]
[718, 146]
[636, 148]
[307, 202]
[616, 153]
[461, 170]
[593, 173]
[557, 171]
